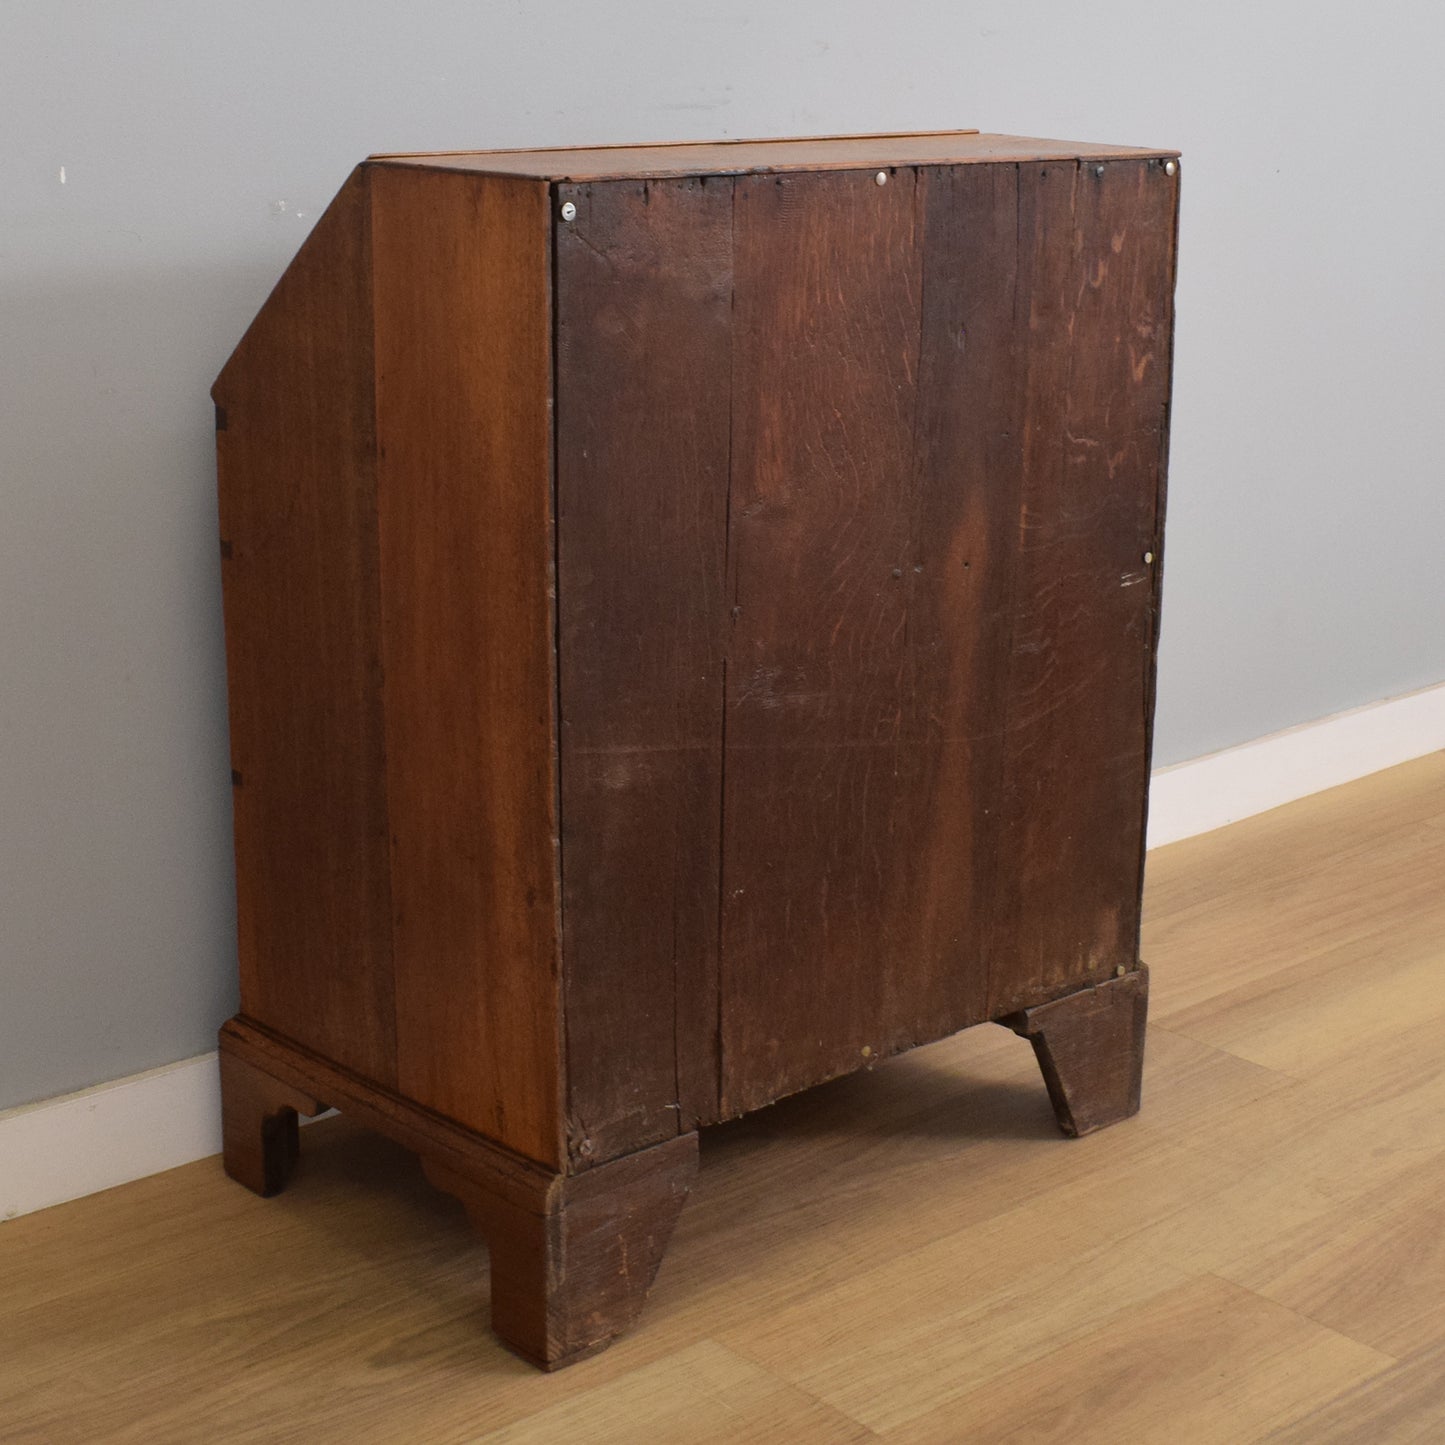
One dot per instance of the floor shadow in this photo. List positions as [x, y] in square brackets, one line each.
[909, 1095]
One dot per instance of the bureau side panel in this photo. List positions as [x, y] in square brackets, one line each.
[644, 294]
[297, 470]
[1097, 334]
[463, 395]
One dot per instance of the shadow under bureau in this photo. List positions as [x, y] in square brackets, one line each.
[690, 621]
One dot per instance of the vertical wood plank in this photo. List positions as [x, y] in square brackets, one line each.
[947, 464]
[967, 477]
[644, 293]
[463, 378]
[828, 274]
[297, 475]
[1080, 672]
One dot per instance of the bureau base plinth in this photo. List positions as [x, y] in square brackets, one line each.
[572, 1256]
[1090, 1048]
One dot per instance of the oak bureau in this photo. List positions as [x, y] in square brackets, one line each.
[690, 618]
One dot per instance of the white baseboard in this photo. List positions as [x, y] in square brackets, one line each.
[1221, 788]
[82, 1143]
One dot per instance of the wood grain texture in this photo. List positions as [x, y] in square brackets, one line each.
[571, 1275]
[463, 388]
[1231, 1365]
[572, 1259]
[705, 1395]
[644, 296]
[1090, 1047]
[914, 1243]
[1095, 322]
[941, 663]
[446, 1145]
[260, 1125]
[299, 547]
[1404, 1405]
[828, 268]
[861, 152]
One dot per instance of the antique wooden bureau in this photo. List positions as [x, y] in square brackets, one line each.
[690, 617]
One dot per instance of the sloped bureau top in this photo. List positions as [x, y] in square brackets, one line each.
[747, 157]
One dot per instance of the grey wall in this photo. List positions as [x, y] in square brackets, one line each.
[198, 144]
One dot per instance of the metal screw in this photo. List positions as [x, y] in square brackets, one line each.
[1120, 971]
[1148, 558]
[881, 178]
[569, 211]
[1171, 168]
[1098, 170]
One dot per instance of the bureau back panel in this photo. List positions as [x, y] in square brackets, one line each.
[948, 403]
[856, 487]
[296, 456]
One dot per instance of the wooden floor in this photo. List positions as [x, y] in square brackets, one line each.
[911, 1255]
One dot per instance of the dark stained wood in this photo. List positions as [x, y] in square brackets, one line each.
[1090, 1048]
[568, 1279]
[463, 385]
[297, 481]
[824, 153]
[1095, 325]
[644, 295]
[259, 1125]
[828, 274]
[940, 677]
[572, 1259]
[963, 522]
[444, 1144]
[686, 652]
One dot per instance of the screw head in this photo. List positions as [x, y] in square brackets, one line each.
[1148, 558]
[569, 211]
[881, 178]
[1120, 971]
[1098, 170]
[1171, 168]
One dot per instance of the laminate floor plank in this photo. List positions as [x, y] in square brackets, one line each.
[1207, 1363]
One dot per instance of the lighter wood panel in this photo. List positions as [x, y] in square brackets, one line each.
[1372, 1268]
[1206, 1363]
[863, 152]
[1404, 1406]
[464, 444]
[1351, 995]
[705, 1395]
[296, 455]
[910, 1251]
